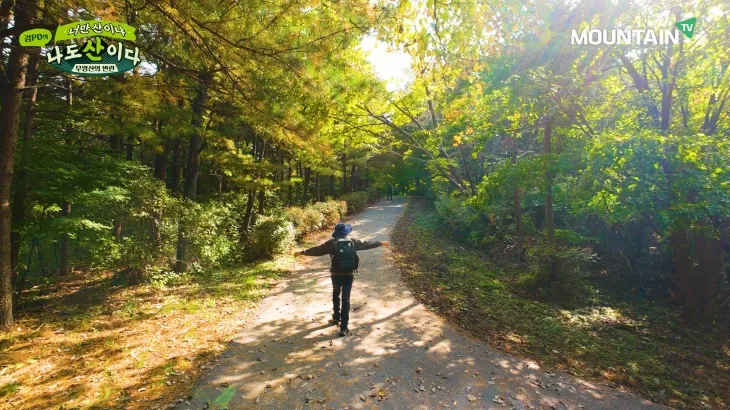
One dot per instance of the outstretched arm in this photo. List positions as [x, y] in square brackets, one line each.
[365, 245]
[319, 250]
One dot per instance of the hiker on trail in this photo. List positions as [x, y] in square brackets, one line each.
[390, 192]
[342, 251]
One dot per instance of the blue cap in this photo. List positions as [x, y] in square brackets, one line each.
[341, 230]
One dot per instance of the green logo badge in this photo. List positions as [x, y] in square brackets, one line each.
[37, 37]
[687, 26]
[94, 56]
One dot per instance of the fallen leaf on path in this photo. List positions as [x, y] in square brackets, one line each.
[470, 398]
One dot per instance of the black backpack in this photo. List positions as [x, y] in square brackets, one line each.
[344, 257]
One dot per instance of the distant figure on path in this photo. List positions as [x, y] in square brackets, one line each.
[342, 251]
[390, 192]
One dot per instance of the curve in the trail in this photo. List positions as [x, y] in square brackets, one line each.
[399, 355]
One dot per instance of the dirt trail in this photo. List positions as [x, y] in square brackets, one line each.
[398, 356]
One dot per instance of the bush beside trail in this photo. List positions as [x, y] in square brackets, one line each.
[314, 217]
[356, 201]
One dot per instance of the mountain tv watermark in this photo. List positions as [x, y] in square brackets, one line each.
[634, 36]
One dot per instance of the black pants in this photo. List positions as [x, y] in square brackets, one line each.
[343, 284]
[390, 196]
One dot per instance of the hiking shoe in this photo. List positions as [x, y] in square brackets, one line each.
[335, 320]
[344, 332]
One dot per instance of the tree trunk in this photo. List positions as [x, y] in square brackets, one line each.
[667, 89]
[130, 148]
[319, 191]
[305, 189]
[174, 180]
[262, 201]
[344, 174]
[549, 221]
[353, 180]
[64, 267]
[709, 271]
[160, 173]
[193, 165]
[114, 143]
[289, 187]
[12, 80]
[260, 174]
[248, 216]
[469, 178]
[549, 217]
[21, 183]
[161, 162]
[697, 256]
[517, 208]
[259, 152]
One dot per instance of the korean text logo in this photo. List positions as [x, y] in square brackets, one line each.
[108, 47]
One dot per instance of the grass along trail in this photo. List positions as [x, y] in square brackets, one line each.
[634, 344]
[91, 342]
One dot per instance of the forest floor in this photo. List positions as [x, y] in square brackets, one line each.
[399, 354]
[91, 342]
[618, 339]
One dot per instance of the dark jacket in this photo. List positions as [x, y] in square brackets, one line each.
[327, 248]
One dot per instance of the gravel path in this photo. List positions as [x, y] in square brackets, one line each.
[399, 355]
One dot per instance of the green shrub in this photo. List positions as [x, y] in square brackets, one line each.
[464, 220]
[558, 273]
[160, 276]
[271, 235]
[331, 211]
[311, 220]
[356, 201]
[214, 233]
[314, 217]
[374, 193]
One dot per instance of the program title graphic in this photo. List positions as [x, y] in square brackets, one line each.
[109, 47]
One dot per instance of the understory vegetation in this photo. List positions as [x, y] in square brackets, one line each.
[145, 345]
[92, 341]
[610, 334]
